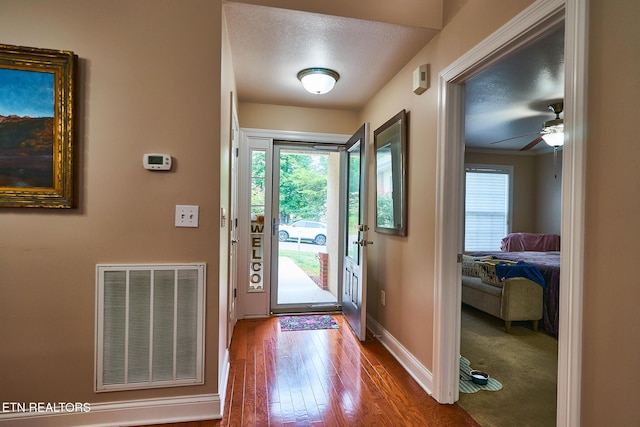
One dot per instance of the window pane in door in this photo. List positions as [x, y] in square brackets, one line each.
[353, 202]
[256, 237]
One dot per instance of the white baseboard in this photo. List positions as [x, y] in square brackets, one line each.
[125, 413]
[413, 366]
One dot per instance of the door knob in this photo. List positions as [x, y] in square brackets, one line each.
[363, 242]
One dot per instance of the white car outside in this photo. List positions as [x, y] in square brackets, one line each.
[304, 230]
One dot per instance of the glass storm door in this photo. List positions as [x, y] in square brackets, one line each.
[354, 294]
[304, 228]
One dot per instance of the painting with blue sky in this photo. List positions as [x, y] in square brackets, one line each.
[26, 93]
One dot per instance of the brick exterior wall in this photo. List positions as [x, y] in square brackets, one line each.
[324, 270]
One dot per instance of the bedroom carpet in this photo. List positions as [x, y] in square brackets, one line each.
[524, 361]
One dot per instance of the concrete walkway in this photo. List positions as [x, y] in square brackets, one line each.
[295, 287]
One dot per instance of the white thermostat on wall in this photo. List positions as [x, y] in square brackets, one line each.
[156, 161]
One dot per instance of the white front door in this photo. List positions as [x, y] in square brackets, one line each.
[232, 217]
[354, 286]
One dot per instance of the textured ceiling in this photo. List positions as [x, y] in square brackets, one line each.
[270, 46]
[511, 97]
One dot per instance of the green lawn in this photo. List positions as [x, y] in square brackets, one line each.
[307, 261]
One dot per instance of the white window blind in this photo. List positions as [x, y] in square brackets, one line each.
[487, 206]
[150, 326]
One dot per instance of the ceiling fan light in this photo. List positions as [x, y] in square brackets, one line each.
[553, 130]
[554, 135]
[318, 80]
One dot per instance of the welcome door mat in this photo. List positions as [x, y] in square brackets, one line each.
[468, 386]
[307, 323]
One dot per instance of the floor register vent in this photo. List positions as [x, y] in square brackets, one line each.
[149, 325]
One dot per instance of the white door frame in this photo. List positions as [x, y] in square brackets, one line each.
[258, 304]
[530, 24]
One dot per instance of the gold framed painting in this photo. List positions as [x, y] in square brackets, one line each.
[36, 127]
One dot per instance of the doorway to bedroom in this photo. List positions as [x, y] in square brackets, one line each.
[514, 185]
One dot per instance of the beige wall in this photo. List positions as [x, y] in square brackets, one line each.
[397, 12]
[548, 207]
[149, 81]
[403, 266]
[611, 338]
[278, 117]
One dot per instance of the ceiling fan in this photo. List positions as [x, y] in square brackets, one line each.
[552, 131]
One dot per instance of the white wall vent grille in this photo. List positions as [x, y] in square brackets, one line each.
[149, 325]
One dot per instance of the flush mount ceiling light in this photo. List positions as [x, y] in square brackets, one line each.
[553, 131]
[318, 80]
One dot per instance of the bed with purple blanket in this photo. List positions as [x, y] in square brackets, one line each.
[549, 265]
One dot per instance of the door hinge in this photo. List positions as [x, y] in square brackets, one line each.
[459, 258]
[235, 292]
[237, 152]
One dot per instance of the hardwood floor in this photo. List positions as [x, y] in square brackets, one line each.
[322, 378]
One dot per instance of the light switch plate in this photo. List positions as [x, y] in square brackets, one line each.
[187, 216]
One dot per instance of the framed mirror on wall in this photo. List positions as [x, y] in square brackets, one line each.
[390, 144]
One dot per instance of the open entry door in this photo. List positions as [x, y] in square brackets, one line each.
[354, 287]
